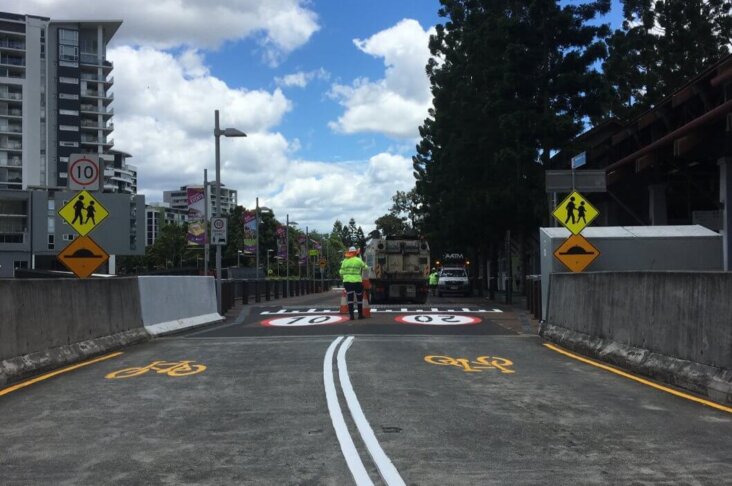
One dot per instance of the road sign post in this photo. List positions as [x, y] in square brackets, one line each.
[575, 213]
[83, 212]
[84, 173]
[218, 231]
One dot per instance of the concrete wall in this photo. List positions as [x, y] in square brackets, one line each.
[43, 314]
[172, 303]
[657, 322]
[46, 324]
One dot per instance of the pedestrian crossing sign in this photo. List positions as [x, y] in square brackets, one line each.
[83, 212]
[575, 212]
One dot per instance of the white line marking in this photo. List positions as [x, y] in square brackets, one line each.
[339, 424]
[386, 468]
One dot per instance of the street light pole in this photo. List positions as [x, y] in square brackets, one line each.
[287, 252]
[228, 132]
[256, 228]
[207, 223]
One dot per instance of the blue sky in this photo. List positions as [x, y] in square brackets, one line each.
[331, 94]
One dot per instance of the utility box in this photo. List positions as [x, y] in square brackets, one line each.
[628, 248]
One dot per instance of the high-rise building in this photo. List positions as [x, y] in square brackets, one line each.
[159, 214]
[55, 98]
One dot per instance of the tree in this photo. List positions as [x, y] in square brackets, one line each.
[389, 224]
[512, 81]
[663, 44]
[170, 247]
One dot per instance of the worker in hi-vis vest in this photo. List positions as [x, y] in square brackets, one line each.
[351, 269]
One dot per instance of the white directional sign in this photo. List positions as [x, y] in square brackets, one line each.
[84, 172]
[218, 231]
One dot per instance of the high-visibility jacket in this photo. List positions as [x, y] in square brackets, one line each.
[351, 269]
[434, 278]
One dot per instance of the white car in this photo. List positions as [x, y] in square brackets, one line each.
[454, 281]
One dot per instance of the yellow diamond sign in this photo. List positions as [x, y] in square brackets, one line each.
[575, 212]
[83, 212]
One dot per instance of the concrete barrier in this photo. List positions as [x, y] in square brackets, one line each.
[48, 323]
[171, 304]
[672, 326]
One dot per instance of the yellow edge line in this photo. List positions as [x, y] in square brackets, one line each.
[640, 380]
[24, 384]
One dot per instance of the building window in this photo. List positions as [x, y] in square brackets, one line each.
[68, 112]
[68, 53]
[69, 144]
[68, 237]
[67, 80]
[68, 128]
[20, 264]
[51, 242]
[51, 225]
[67, 96]
[68, 37]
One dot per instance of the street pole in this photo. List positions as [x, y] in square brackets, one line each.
[287, 253]
[207, 217]
[307, 254]
[256, 215]
[217, 209]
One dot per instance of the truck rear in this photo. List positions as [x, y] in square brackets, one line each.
[398, 270]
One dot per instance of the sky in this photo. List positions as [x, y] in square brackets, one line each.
[331, 94]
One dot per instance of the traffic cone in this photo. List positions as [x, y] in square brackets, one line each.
[344, 303]
[365, 304]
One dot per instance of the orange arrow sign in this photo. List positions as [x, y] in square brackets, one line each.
[576, 253]
[83, 256]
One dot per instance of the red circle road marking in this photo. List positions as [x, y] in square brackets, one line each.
[437, 320]
[304, 320]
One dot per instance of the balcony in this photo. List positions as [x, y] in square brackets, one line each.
[12, 61]
[95, 125]
[11, 128]
[97, 79]
[12, 146]
[86, 140]
[91, 59]
[11, 96]
[95, 110]
[11, 162]
[12, 44]
[12, 112]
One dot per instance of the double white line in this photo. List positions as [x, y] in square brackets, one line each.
[387, 470]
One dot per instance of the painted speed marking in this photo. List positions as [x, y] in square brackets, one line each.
[309, 320]
[437, 319]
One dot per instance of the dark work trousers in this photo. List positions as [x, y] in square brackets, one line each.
[354, 291]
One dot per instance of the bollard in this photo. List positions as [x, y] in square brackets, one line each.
[244, 292]
[257, 295]
[267, 297]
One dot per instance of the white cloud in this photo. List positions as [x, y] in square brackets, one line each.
[280, 26]
[396, 105]
[164, 120]
[301, 79]
[316, 194]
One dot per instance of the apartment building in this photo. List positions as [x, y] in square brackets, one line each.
[179, 199]
[158, 215]
[55, 101]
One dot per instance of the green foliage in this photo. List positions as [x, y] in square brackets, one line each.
[513, 83]
[663, 44]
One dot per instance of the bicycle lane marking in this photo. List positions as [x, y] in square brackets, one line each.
[358, 471]
[46, 376]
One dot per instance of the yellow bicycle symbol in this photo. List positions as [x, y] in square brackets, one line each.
[481, 363]
[170, 368]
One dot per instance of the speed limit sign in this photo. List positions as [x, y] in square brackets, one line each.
[84, 172]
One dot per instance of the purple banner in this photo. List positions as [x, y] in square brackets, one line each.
[281, 244]
[196, 216]
[250, 231]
